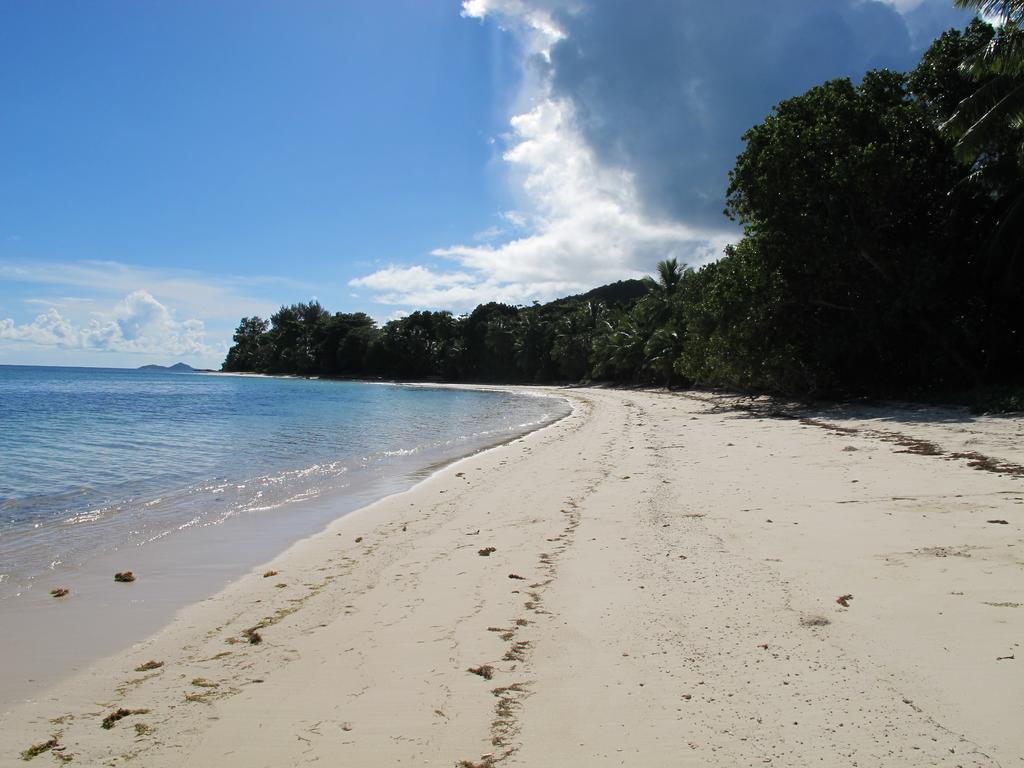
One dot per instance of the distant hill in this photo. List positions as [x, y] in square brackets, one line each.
[176, 368]
[616, 294]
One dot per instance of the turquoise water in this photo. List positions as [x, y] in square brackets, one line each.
[97, 460]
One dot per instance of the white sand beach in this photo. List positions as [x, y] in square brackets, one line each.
[659, 588]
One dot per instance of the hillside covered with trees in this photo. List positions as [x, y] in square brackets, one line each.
[881, 255]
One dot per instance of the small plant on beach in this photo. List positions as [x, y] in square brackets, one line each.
[37, 749]
[124, 577]
[149, 666]
[486, 671]
[110, 720]
[60, 592]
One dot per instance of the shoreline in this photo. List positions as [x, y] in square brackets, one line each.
[175, 573]
[663, 590]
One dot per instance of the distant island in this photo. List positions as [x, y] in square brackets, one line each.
[176, 368]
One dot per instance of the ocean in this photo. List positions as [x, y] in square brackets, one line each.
[95, 461]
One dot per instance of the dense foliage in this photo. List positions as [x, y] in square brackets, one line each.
[880, 255]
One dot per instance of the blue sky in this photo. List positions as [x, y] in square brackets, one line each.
[168, 167]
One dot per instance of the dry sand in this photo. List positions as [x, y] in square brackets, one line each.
[680, 564]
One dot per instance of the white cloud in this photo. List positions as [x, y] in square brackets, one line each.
[61, 301]
[138, 323]
[213, 298]
[409, 279]
[48, 329]
[588, 229]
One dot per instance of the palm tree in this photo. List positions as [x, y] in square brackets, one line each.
[999, 68]
[989, 124]
[1008, 10]
[669, 275]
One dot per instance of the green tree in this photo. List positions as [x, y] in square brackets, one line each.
[573, 340]
[987, 125]
[670, 274]
[248, 351]
[620, 344]
[1006, 10]
[489, 339]
[859, 241]
[953, 80]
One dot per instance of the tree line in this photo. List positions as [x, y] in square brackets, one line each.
[881, 255]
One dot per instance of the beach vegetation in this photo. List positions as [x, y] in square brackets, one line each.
[880, 255]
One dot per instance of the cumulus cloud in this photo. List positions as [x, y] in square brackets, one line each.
[138, 323]
[587, 229]
[631, 119]
[49, 329]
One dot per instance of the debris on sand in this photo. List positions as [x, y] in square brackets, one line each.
[486, 551]
[486, 762]
[60, 592]
[516, 576]
[814, 621]
[997, 522]
[844, 600]
[268, 574]
[37, 749]
[253, 636]
[149, 666]
[486, 671]
[124, 576]
[113, 717]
